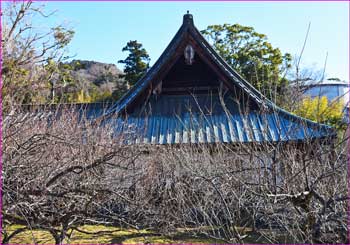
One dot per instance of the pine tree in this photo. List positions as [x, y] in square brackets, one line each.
[136, 64]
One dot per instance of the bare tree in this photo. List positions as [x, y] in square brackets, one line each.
[27, 47]
[54, 171]
[61, 171]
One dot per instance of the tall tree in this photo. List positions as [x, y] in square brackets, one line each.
[250, 53]
[136, 64]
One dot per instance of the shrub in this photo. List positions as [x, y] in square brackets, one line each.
[320, 110]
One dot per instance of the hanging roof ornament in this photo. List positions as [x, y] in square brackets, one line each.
[189, 54]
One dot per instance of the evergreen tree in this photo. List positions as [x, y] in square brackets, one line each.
[136, 64]
[252, 56]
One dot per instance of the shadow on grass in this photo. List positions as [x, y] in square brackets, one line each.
[119, 239]
[178, 237]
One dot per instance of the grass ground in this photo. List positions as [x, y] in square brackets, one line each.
[99, 234]
[108, 235]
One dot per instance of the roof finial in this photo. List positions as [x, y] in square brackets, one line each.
[188, 18]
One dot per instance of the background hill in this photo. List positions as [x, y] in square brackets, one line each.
[92, 81]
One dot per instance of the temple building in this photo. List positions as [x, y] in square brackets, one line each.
[191, 95]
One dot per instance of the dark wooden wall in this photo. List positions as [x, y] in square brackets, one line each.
[182, 75]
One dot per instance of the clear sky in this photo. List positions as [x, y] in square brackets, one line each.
[103, 28]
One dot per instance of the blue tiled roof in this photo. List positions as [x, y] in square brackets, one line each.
[203, 119]
[176, 119]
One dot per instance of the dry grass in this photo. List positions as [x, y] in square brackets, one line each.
[114, 235]
[107, 235]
